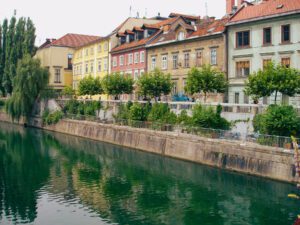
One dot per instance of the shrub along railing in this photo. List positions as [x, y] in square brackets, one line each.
[266, 140]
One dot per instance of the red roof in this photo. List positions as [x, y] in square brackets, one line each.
[265, 9]
[191, 17]
[133, 44]
[73, 40]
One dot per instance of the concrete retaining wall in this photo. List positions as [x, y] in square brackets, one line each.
[232, 155]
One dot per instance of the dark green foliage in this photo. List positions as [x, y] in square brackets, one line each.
[154, 84]
[139, 112]
[48, 93]
[90, 86]
[30, 80]
[52, 118]
[207, 117]
[18, 39]
[183, 118]
[68, 91]
[87, 108]
[278, 120]
[116, 84]
[273, 79]
[162, 113]
[205, 80]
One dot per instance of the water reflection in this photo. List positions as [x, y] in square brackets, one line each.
[49, 178]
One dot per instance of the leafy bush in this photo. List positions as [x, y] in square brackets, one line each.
[162, 113]
[183, 118]
[2, 103]
[207, 117]
[52, 118]
[278, 120]
[88, 108]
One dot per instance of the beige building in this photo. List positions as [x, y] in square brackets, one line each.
[57, 56]
[185, 43]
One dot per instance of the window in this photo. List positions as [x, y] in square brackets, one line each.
[242, 68]
[99, 48]
[285, 33]
[130, 59]
[136, 57]
[99, 66]
[86, 52]
[86, 68]
[174, 87]
[106, 47]
[213, 56]
[145, 33]
[121, 60]
[186, 60]
[105, 64]
[266, 62]
[175, 61]
[153, 62]
[57, 75]
[70, 57]
[92, 51]
[267, 36]
[181, 36]
[199, 58]
[164, 62]
[242, 39]
[286, 62]
[114, 61]
[142, 57]
[237, 98]
[92, 67]
[136, 74]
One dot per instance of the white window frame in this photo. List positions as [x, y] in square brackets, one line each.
[121, 59]
[181, 36]
[105, 67]
[164, 62]
[57, 75]
[92, 67]
[213, 56]
[130, 59]
[142, 57]
[153, 62]
[114, 61]
[99, 65]
[136, 57]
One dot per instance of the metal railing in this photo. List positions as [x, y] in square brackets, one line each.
[261, 139]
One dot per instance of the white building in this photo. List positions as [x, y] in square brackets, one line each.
[257, 33]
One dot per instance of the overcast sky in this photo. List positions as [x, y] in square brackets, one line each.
[54, 18]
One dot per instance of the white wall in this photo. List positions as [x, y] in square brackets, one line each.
[256, 53]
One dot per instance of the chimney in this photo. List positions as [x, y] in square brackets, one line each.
[229, 6]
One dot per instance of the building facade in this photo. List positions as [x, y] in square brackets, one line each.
[57, 56]
[185, 43]
[258, 33]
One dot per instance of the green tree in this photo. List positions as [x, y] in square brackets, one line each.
[278, 120]
[116, 84]
[273, 79]
[154, 84]
[206, 80]
[9, 56]
[29, 38]
[90, 86]
[161, 113]
[3, 55]
[68, 91]
[30, 80]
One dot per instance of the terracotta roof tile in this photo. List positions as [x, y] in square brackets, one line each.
[74, 40]
[264, 9]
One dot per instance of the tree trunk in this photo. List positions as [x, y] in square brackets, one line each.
[276, 92]
[205, 94]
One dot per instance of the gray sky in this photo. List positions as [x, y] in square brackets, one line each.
[54, 18]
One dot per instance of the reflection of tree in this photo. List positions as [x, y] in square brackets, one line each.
[24, 169]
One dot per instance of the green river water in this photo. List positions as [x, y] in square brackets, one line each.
[54, 179]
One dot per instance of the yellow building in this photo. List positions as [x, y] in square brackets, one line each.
[57, 56]
[91, 59]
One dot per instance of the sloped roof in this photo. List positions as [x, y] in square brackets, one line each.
[72, 40]
[265, 9]
[191, 17]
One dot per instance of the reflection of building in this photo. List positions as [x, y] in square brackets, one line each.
[258, 33]
[57, 55]
[187, 41]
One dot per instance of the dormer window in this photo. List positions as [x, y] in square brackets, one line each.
[181, 36]
[145, 33]
[127, 38]
[136, 36]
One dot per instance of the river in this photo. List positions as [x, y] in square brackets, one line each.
[54, 179]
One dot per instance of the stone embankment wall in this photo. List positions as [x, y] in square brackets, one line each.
[231, 155]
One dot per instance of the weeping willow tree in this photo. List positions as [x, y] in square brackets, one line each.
[28, 83]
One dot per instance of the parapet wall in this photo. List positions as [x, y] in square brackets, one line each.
[247, 158]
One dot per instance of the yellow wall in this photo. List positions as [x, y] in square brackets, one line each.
[91, 56]
[56, 58]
